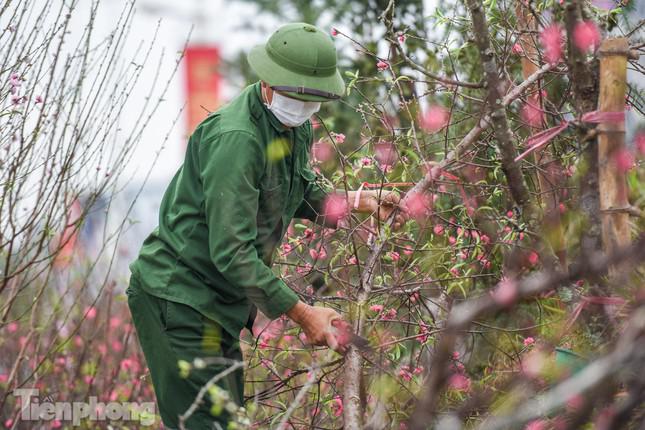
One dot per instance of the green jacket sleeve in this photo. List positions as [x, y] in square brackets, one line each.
[231, 166]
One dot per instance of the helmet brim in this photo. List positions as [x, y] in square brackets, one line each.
[276, 75]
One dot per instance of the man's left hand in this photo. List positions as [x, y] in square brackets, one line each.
[382, 203]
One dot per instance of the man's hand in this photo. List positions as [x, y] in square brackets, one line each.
[388, 201]
[316, 322]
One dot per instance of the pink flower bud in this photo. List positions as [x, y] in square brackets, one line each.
[533, 258]
[334, 32]
[382, 65]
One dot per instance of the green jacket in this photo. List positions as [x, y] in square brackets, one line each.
[244, 177]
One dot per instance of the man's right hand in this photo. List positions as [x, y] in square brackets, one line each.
[316, 322]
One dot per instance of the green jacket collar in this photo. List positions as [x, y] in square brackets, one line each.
[260, 106]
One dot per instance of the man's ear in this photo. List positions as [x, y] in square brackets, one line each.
[267, 91]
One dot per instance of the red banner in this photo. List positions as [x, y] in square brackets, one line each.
[202, 83]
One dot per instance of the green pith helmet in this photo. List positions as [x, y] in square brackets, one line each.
[299, 60]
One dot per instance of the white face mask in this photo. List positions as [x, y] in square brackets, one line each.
[291, 112]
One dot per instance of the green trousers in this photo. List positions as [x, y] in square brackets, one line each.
[171, 334]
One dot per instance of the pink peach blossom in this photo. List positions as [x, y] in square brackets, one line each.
[435, 118]
[623, 160]
[506, 292]
[536, 425]
[532, 114]
[551, 39]
[575, 402]
[533, 258]
[335, 208]
[286, 248]
[417, 204]
[424, 332]
[517, 49]
[115, 322]
[390, 314]
[459, 382]
[337, 406]
[382, 65]
[385, 153]
[639, 142]
[586, 36]
[338, 137]
[90, 313]
[534, 362]
[322, 151]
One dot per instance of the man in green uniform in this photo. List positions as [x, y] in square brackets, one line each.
[205, 269]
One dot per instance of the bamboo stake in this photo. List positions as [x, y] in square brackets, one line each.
[611, 141]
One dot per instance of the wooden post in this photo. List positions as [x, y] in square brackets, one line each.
[611, 141]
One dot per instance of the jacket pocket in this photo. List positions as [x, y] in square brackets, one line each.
[180, 316]
[272, 203]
